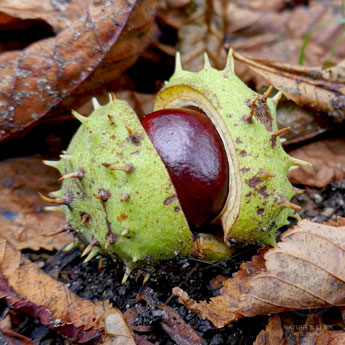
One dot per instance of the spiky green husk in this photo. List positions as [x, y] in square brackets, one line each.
[117, 194]
[257, 204]
[122, 198]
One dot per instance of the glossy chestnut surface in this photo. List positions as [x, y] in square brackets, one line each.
[194, 155]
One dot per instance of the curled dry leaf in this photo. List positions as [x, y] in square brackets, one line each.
[322, 90]
[22, 218]
[38, 78]
[23, 286]
[328, 159]
[305, 270]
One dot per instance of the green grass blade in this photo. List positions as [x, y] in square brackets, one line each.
[311, 33]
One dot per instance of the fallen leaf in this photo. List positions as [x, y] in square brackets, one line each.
[205, 32]
[307, 86]
[173, 13]
[116, 329]
[22, 218]
[25, 287]
[137, 34]
[339, 222]
[328, 159]
[78, 59]
[259, 32]
[305, 270]
[56, 14]
[303, 123]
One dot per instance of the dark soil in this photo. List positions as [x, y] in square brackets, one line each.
[189, 273]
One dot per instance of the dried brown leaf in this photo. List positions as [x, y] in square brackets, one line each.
[115, 327]
[303, 123]
[23, 286]
[22, 218]
[204, 31]
[328, 159]
[307, 86]
[339, 222]
[201, 25]
[134, 39]
[39, 77]
[56, 14]
[305, 270]
[260, 33]
[174, 13]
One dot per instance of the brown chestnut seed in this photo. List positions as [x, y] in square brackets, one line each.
[194, 155]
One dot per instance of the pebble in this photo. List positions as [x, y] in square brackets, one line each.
[317, 198]
[328, 211]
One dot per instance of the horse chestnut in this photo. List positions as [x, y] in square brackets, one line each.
[195, 157]
[136, 195]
